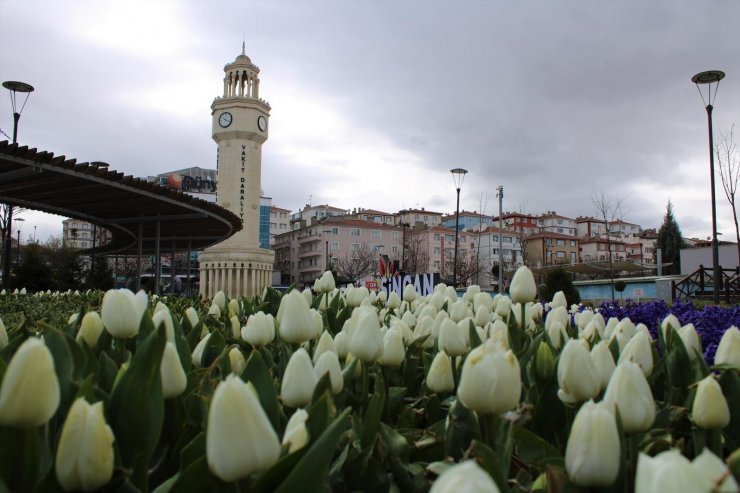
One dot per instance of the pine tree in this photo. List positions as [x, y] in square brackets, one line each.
[670, 241]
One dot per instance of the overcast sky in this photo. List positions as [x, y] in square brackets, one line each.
[373, 102]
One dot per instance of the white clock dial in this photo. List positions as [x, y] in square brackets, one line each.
[225, 119]
[262, 123]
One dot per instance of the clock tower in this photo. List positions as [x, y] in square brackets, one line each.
[238, 266]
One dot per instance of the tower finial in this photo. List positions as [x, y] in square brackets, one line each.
[244, 47]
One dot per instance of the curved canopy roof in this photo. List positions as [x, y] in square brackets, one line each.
[122, 204]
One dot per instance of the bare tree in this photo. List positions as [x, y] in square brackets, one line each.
[416, 256]
[608, 209]
[468, 267]
[357, 264]
[728, 160]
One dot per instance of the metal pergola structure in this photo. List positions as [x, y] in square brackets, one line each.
[142, 217]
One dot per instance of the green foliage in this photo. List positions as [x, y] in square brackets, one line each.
[34, 271]
[620, 286]
[102, 276]
[560, 280]
[670, 241]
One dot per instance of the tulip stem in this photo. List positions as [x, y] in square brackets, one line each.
[455, 376]
[632, 452]
[365, 384]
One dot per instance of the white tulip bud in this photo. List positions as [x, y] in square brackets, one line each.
[326, 343]
[451, 339]
[325, 284]
[592, 456]
[409, 293]
[630, 391]
[122, 311]
[691, 341]
[440, 379]
[712, 468]
[710, 410]
[296, 433]
[174, 380]
[237, 361]
[84, 460]
[29, 395]
[328, 362]
[465, 477]
[394, 352]
[234, 310]
[4, 334]
[192, 315]
[668, 471]
[640, 351]
[340, 344]
[214, 311]
[239, 439]
[198, 351]
[219, 300]
[558, 300]
[236, 327]
[295, 322]
[491, 380]
[366, 342]
[299, 380]
[577, 375]
[603, 362]
[523, 289]
[260, 329]
[728, 351]
[90, 331]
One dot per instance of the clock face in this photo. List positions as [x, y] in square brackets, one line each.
[225, 119]
[262, 123]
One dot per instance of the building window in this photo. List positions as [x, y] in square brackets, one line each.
[354, 247]
[376, 233]
[394, 235]
[354, 232]
[394, 249]
[450, 238]
[436, 265]
[436, 236]
[560, 242]
[376, 248]
[334, 247]
[507, 239]
[560, 230]
[572, 243]
[560, 221]
[335, 231]
[436, 250]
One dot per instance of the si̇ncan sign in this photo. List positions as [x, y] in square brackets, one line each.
[423, 283]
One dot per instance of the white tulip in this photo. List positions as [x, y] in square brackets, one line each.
[630, 391]
[122, 311]
[299, 380]
[577, 375]
[592, 456]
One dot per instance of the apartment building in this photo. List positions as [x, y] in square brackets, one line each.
[303, 254]
[552, 222]
[596, 249]
[79, 234]
[468, 220]
[487, 245]
[312, 213]
[415, 217]
[547, 248]
[279, 222]
[371, 215]
[521, 223]
[623, 229]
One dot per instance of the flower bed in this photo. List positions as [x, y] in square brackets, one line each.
[329, 391]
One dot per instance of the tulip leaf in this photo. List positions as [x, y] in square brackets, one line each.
[195, 478]
[64, 365]
[473, 334]
[311, 471]
[322, 387]
[139, 389]
[730, 383]
[107, 372]
[193, 450]
[535, 450]
[146, 326]
[461, 427]
[491, 463]
[214, 347]
[256, 372]
[19, 457]
[373, 415]
[181, 344]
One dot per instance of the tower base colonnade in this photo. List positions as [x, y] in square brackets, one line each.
[237, 272]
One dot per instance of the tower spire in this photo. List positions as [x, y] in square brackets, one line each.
[244, 47]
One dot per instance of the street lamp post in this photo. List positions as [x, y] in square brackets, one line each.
[708, 78]
[19, 223]
[500, 194]
[326, 263]
[458, 175]
[14, 87]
